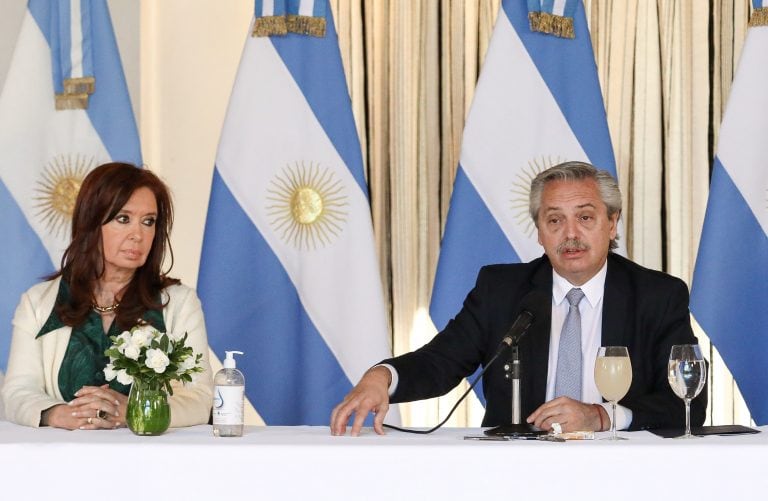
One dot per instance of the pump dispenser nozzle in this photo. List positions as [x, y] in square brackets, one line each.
[229, 361]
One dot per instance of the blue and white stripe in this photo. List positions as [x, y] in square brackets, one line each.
[562, 8]
[71, 49]
[309, 8]
[730, 282]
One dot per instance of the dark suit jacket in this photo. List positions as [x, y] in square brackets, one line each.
[644, 310]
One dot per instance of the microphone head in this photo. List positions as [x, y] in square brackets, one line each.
[531, 307]
[523, 321]
[536, 302]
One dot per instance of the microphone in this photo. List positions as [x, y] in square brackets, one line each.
[518, 328]
[531, 302]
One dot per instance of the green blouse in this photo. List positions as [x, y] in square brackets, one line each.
[84, 361]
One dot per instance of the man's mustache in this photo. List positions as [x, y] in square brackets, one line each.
[572, 244]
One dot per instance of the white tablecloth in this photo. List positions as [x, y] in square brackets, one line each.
[308, 463]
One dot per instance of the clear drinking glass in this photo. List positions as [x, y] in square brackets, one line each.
[687, 373]
[613, 375]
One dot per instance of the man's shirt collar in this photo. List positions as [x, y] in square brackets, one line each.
[593, 289]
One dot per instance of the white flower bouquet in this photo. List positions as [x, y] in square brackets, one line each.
[154, 358]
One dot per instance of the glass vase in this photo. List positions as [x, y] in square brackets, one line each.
[148, 410]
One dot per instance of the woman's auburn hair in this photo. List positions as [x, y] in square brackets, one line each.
[103, 193]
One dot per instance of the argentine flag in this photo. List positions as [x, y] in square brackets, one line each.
[288, 272]
[537, 103]
[729, 295]
[64, 109]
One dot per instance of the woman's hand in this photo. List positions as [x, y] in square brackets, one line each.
[97, 407]
[60, 416]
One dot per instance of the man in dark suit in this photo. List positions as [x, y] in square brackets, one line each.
[619, 303]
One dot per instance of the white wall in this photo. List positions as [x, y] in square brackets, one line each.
[189, 55]
[11, 12]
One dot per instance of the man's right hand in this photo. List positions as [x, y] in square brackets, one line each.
[370, 395]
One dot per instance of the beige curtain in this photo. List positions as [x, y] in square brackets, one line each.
[665, 68]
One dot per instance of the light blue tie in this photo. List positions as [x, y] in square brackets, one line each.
[568, 375]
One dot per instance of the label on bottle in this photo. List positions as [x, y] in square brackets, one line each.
[228, 405]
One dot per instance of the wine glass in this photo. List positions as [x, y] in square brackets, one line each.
[613, 375]
[687, 373]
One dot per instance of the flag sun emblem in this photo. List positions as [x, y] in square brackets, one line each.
[307, 205]
[521, 192]
[58, 189]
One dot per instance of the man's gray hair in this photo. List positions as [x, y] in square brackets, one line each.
[577, 171]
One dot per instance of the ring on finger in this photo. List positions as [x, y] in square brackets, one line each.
[556, 428]
[90, 420]
[101, 414]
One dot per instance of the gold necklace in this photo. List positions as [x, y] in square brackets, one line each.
[105, 309]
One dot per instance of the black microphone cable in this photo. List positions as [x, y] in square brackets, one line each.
[499, 350]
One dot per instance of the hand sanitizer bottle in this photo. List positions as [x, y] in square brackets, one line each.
[228, 394]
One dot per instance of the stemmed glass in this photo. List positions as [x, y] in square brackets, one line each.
[613, 375]
[687, 373]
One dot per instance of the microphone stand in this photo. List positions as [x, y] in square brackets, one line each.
[513, 372]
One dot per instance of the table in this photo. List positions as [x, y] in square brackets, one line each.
[307, 463]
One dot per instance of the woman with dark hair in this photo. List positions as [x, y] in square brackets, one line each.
[111, 279]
